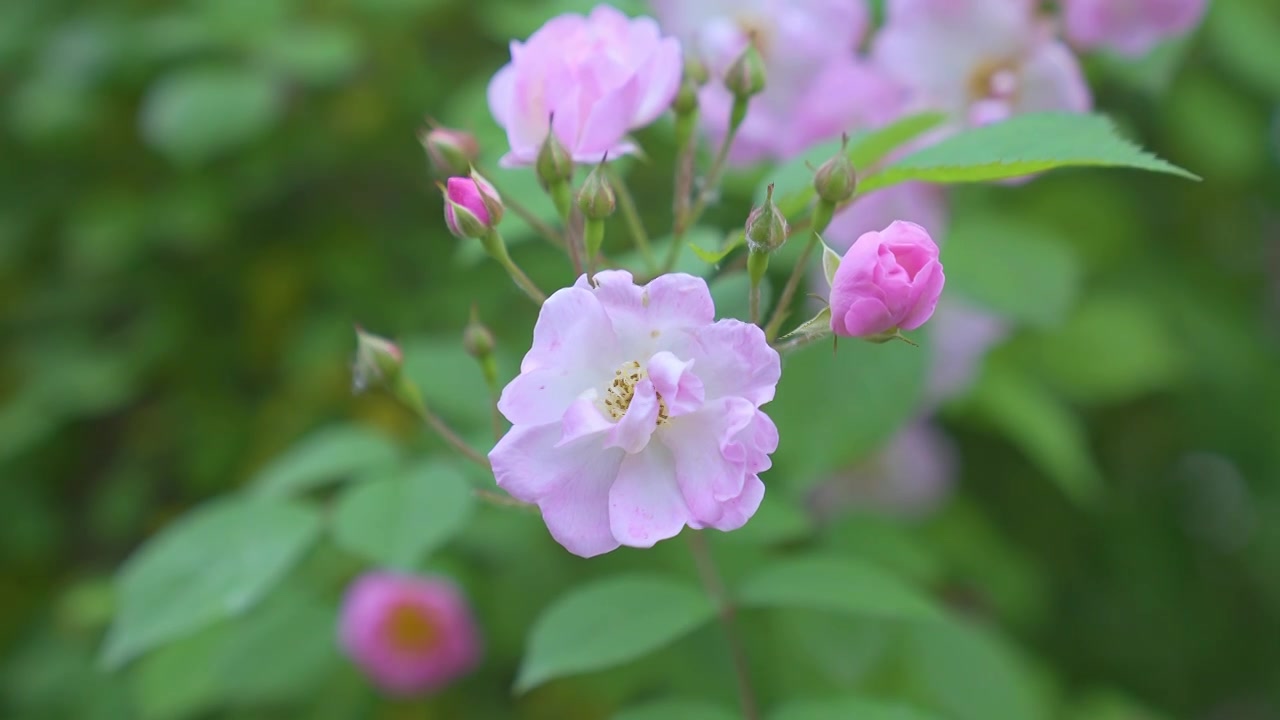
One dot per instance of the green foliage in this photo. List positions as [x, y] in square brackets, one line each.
[397, 520]
[197, 113]
[834, 584]
[846, 709]
[325, 456]
[214, 563]
[972, 675]
[1022, 145]
[866, 391]
[676, 710]
[607, 622]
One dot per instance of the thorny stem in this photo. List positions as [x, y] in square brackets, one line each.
[629, 214]
[789, 291]
[715, 589]
[445, 432]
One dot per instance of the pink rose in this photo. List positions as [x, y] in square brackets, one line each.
[408, 634]
[472, 206]
[888, 280]
[979, 60]
[636, 413]
[601, 76]
[1128, 27]
[815, 87]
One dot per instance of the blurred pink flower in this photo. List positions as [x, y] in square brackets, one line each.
[887, 280]
[408, 634]
[981, 61]
[815, 87]
[921, 203]
[601, 76]
[1128, 27]
[635, 414]
[961, 335]
[911, 475]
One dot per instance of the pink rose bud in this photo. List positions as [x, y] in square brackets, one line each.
[1128, 27]
[408, 634]
[887, 281]
[378, 361]
[472, 207]
[589, 79]
[451, 152]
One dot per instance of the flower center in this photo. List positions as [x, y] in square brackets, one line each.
[619, 394]
[408, 629]
[995, 79]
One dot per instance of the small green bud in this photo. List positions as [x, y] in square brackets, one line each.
[596, 199]
[554, 164]
[686, 100]
[695, 71]
[377, 362]
[766, 226]
[836, 180]
[477, 339]
[746, 76]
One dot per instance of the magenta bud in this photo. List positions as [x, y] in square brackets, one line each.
[472, 207]
[888, 281]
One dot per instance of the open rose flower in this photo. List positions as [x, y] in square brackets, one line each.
[408, 634]
[600, 76]
[815, 87]
[635, 413]
[887, 281]
[982, 61]
[1128, 27]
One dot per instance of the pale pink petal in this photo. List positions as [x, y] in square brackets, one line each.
[928, 288]
[1052, 80]
[705, 476]
[501, 95]
[662, 73]
[734, 359]
[633, 431]
[582, 418]
[738, 511]
[573, 331]
[645, 504]
[541, 395]
[679, 300]
[681, 390]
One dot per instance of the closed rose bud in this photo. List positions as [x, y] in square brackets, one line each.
[887, 281]
[686, 99]
[467, 204]
[746, 76]
[451, 152]
[695, 71]
[766, 226]
[596, 199]
[408, 634]
[554, 164]
[836, 179]
[378, 361]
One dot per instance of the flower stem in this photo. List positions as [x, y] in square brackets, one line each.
[546, 231]
[407, 392]
[789, 291]
[592, 239]
[757, 265]
[685, 220]
[497, 249]
[715, 590]
[632, 217]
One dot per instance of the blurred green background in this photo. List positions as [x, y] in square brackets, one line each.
[200, 198]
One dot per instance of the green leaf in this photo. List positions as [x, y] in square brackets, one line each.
[608, 622]
[1050, 434]
[1128, 329]
[315, 54]
[195, 113]
[847, 709]
[871, 147]
[713, 257]
[328, 455]
[696, 263]
[830, 263]
[676, 710]
[277, 652]
[815, 327]
[971, 674]
[866, 392]
[794, 178]
[1020, 146]
[834, 584]
[398, 520]
[1022, 270]
[214, 563]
